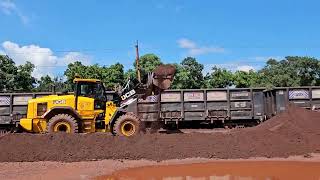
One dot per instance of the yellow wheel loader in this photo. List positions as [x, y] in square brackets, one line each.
[88, 109]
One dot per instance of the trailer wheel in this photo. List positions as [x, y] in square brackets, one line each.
[127, 125]
[62, 123]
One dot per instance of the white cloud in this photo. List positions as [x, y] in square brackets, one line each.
[194, 49]
[205, 50]
[232, 66]
[8, 7]
[186, 44]
[75, 56]
[245, 64]
[245, 68]
[266, 58]
[43, 58]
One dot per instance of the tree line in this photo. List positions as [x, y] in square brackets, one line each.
[288, 72]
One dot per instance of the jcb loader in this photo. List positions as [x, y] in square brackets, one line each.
[88, 109]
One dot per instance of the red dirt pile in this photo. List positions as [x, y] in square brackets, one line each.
[165, 70]
[294, 132]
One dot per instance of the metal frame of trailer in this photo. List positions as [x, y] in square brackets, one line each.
[225, 105]
[222, 105]
[13, 106]
[208, 105]
[278, 98]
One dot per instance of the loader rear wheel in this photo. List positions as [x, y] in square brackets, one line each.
[62, 123]
[127, 125]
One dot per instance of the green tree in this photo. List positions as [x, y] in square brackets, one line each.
[188, 75]
[14, 77]
[23, 80]
[130, 74]
[242, 79]
[181, 77]
[279, 73]
[148, 63]
[306, 68]
[291, 71]
[219, 78]
[45, 84]
[111, 76]
[73, 69]
[59, 84]
[8, 71]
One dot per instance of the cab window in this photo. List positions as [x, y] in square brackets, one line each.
[91, 90]
[88, 90]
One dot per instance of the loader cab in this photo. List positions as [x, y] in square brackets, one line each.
[91, 88]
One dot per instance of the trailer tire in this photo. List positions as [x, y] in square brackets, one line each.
[62, 123]
[127, 125]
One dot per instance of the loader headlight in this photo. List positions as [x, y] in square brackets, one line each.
[41, 108]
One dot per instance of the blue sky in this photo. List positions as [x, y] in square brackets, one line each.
[233, 34]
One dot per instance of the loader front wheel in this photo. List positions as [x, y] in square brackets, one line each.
[127, 125]
[62, 123]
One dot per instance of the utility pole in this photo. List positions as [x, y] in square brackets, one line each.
[137, 62]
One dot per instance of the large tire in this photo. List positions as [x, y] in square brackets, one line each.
[127, 125]
[62, 123]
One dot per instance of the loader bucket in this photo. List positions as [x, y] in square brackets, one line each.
[163, 76]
